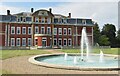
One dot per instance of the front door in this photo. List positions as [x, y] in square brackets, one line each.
[44, 42]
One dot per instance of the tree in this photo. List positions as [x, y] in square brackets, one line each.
[103, 40]
[118, 38]
[96, 33]
[109, 30]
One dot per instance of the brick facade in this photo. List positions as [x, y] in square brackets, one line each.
[43, 30]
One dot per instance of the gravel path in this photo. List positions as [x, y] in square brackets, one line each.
[20, 65]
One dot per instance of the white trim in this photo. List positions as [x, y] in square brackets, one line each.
[65, 30]
[36, 28]
[18, 29]
[13, 28]
[23, 31]
[49, 32]
[43, 30]
[66, 42]
[55, 31]
[13, 41]
[60, 31]
[70, 31]
[23, 42]
[29, 31]
[18, 42]
[70, 42]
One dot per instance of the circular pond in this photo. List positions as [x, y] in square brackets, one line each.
[74, 61]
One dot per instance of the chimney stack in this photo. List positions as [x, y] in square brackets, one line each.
[69, 15]
[8, 12]
[50, 10]
[32, 10]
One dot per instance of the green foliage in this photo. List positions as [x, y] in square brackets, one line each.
[96, 33]
[109, 30]
[118, 38]
[103, 40]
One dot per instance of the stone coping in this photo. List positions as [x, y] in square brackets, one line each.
[33, 61]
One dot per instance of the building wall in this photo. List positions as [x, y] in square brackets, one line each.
[76, 34]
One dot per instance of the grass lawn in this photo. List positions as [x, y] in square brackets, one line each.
[4, 54]
[105, 51]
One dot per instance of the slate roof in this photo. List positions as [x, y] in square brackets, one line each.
[73, 21]
[7, 18]
[59, 16]
[23, 14]
[37, 12]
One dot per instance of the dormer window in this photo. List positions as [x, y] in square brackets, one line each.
[64, 20]
[21, 18]
[36, 19]
[84, 22]
[18, 20]
[24, 20]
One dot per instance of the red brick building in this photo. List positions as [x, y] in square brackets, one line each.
[43, 29]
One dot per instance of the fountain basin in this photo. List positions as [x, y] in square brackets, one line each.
[57, 61]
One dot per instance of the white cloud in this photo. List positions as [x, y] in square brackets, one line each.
[13, 10]
[101, 12]
[59, 0]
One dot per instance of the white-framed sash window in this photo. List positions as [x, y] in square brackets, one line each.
[23, 30]
[29, 41]
[48, 30]
[69, 31]
[60, 31]
[55, 31]
[42, 30]
[65, 42]
[23, 41]
[42, 20]
[29, 30]
[12, 41]
[36, 30]
[18, 42]
[12, 30]
[65, 31]
[36, 19]
[60, 42]
[18, 30]
[55, 41]
[69, 42]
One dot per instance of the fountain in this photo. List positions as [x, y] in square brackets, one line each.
[84, 41]
[84, 62]
[65, 56]
[101, 60]
[75, 60]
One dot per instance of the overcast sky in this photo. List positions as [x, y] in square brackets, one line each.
[100, 12]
